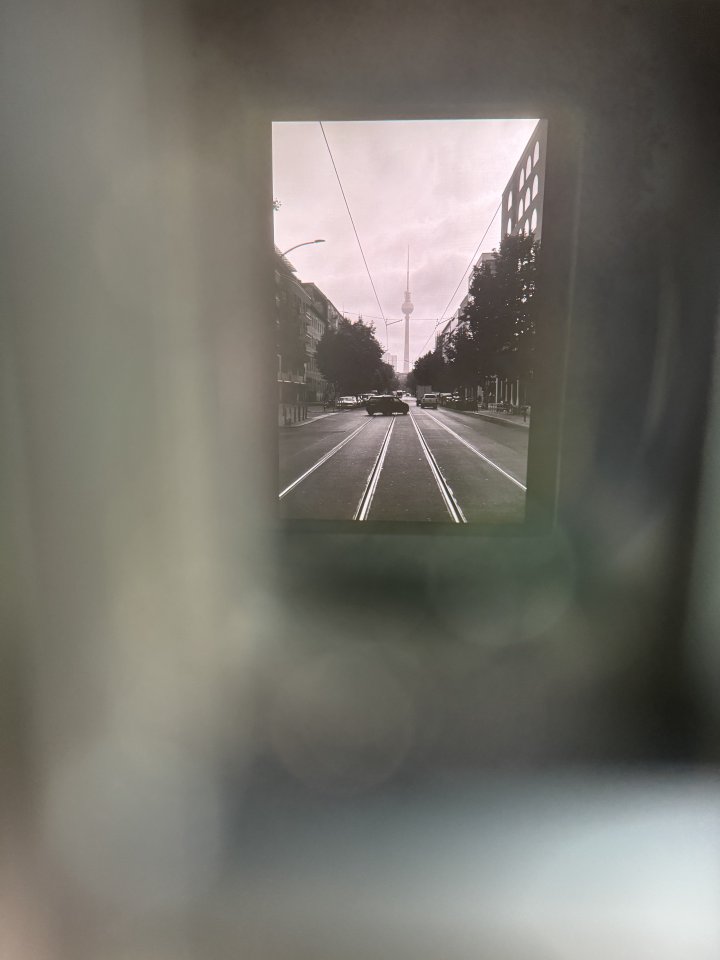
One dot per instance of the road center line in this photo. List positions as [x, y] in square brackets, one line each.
[448, 496]
[322, 460]
[477, 453]
[363, 508]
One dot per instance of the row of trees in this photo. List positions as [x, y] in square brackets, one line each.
[495, 333]
[350, 359]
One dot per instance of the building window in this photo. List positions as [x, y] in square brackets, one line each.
[535, 185]
[533, 221]
[509, 200]
[528, 166]
[522, 178]
[536, 154]
[527, 198]
[521, 209]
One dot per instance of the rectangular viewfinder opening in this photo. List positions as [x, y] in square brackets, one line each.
[406, 267]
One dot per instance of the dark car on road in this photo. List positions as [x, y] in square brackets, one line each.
[386, 405]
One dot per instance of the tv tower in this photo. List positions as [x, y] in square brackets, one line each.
[407, 308]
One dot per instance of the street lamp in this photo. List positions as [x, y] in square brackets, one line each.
[305, 244]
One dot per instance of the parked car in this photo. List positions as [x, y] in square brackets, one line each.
[346, 403]
[429, 400]
[385, 404]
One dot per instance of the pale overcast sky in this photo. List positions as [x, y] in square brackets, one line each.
[432, 185]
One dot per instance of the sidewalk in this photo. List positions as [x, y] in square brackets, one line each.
[511, 419]
[295, 415]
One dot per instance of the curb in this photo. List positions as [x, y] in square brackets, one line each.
[304, 423]
[492, 419]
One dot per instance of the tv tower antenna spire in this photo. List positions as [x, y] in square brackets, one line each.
[407, 308]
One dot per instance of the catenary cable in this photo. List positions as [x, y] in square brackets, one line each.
[357, 236]
[472, 261]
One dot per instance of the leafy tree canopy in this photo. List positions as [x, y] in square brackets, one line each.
[351, 358]
[386, 380]
[496, 331]
[430, 370]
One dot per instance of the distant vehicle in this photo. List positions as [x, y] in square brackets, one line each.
[429, 400]
[346, 403]
[420, 392]
[386, 404]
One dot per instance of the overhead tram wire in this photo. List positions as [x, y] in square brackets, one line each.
[452, 295]
[357, 237]
[369, 316]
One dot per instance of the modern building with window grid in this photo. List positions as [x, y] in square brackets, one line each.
[522, 199]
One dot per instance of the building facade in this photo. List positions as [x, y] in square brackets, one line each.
[391, 358]
[522, 199]
[303, 313]
[291, 304]
[321, 315]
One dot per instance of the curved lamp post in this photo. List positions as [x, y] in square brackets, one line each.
[304, 244]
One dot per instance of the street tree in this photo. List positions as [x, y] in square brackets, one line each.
[496, 330]
[430, 370]
[386, 380]
[350, 358]
[463, 358]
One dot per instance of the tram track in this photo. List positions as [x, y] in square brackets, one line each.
[363, 507]
[469, 446]
[453, 507]
[321, 461]
[375, 491]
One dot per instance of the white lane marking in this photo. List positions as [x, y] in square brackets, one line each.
[363, 508]
[322, 460]
[448, 496]
[478, 454]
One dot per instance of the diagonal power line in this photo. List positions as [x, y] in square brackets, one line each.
[357, 237]
[452, 295]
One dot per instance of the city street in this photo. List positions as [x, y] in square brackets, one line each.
[429, 465]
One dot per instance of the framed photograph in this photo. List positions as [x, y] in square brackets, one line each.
[422, 281]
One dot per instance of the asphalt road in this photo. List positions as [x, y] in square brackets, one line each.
[430, 465]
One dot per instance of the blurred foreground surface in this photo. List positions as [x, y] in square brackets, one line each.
[557, 867]
[220, 740]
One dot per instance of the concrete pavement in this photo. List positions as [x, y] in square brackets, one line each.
[294, 414]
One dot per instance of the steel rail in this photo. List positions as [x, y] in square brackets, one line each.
[321, 461]
[363, 507]
[453, 507]
[477, 453]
